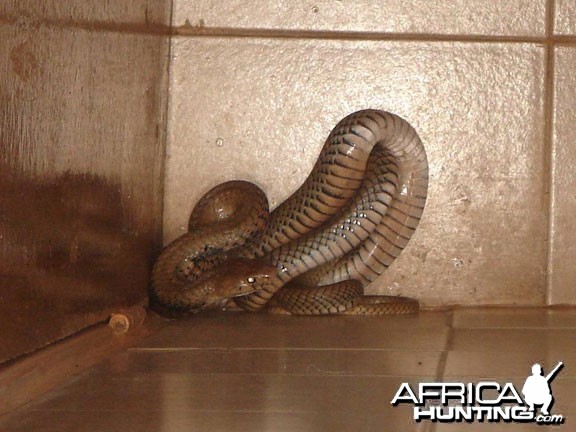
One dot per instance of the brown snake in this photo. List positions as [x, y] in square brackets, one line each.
[315, 252]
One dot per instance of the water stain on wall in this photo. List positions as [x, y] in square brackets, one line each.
[24, 62]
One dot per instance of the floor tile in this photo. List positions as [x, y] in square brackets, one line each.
[507, 363]
[339, 403]
[537, 341]
[190, 420]
[509, 352]
[468, 17]
[308, 362]
[304, 374]
[172, 421]
[525, 318]
[287, 332]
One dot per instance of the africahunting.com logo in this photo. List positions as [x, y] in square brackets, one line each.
[483, 401]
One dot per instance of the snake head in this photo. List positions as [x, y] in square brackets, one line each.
[242, 276]
[233, 278]
[252, 283]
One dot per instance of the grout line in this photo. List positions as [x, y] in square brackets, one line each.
[441, 369]
[446, 349]
[166, 123]
[431, 427]
[137, 349]
[269, 33]
[157, 29]
[264, 33]
[564, 41]
[549, 163]
[425, 427]
[550, 18]
[258, 373]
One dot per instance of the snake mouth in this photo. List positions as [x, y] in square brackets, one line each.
[222, 302]
[243, 293]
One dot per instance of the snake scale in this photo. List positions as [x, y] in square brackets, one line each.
[315, 252]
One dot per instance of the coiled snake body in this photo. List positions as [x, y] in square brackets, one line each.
[315, 252]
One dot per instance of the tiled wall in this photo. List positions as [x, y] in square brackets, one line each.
[82, 105]
[255, 87]
[562, 278]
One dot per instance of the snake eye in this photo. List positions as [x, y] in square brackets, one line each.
[251, 280]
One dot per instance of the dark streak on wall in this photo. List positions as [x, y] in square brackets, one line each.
[81, 164]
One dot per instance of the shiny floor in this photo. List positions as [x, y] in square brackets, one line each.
[245, 372]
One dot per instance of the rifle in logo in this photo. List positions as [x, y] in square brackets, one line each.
[552, 374]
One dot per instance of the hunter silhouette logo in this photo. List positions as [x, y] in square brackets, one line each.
[484, 401]
[537, 390]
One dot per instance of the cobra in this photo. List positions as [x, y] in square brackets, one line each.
[314, 253]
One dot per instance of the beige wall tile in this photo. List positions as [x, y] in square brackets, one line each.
[259, 110]
[565, 19]
[563, 237]
[493, 17]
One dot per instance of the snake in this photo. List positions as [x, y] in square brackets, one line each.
[316, 252]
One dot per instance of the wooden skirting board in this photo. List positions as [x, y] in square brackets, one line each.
[27, 378]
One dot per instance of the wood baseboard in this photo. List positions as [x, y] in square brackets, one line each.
[30, 376]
